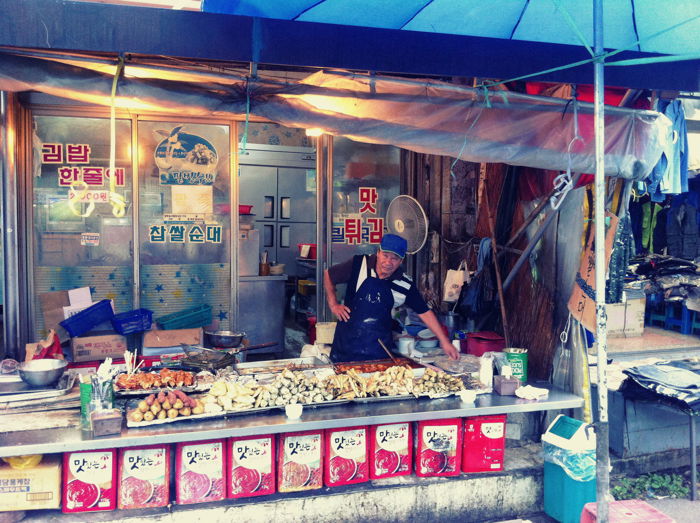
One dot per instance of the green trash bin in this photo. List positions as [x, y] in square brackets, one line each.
[569, 447]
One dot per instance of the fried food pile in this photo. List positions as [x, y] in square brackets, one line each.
[155, 380]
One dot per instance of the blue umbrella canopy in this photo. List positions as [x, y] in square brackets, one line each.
[654, 26]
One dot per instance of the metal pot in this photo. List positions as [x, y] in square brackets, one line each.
[42, 373]
[225, 339]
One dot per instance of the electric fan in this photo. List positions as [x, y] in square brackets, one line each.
[406, 217]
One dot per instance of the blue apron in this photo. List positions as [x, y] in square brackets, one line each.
[370, 320]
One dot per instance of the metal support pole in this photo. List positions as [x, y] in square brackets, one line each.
[10, 243]
[602, 429]
[693, 460]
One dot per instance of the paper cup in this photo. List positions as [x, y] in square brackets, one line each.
[294, 411]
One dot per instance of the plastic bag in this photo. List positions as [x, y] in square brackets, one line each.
[578, 465]
[454, 279]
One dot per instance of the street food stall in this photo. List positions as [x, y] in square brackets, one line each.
[225, 431]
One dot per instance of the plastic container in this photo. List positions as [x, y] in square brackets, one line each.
[200, 471]
[251, 466]
[325, 331]
[199, 316]
[81, 322]
[484, 443]
[300, 461]
[391, 450]
[569, 469]
[144, 477]
[244, 209]
[486, 341]
[312, 250]
[89, 481]
[438, 447]
[345, 461]
[138, 320]
[626, 511]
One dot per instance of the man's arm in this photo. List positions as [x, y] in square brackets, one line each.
[433, 324]
[341, 311]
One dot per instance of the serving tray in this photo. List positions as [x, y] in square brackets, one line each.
[20, 391]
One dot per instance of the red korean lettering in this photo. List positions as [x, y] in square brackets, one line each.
[77, 153]
[376, 230]
[353, 231]
[94, 176]
[52, 153]
[368, 197]
[68, 175]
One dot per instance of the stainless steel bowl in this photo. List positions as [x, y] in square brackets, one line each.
[225, 339]
[42, 373]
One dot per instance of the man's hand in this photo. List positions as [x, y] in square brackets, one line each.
[342, 312]
[450, 350]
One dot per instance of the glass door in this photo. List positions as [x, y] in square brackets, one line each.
[81, 214]
[185, 221]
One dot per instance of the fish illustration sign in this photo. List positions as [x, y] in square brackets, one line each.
[185, 159]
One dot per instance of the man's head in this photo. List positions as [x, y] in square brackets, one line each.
[392, 251]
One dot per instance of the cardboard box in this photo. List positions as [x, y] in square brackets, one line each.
[36, 488]
[391, 450]
[172, 338]
[98, 348]
[626, 320]
[251, 466]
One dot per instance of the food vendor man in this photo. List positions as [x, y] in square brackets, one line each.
[376, 284]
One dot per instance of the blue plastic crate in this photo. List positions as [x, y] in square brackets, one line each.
[81, 322]
[138, 320]
[199, 316]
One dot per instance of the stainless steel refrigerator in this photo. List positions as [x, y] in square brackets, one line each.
[280, 183]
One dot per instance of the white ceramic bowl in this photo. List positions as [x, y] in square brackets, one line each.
[425, 334]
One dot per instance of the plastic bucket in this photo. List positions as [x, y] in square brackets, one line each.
[325, 330]
[485, 341]
[518, 362]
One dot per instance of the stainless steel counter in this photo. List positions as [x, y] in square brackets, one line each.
[65, 440]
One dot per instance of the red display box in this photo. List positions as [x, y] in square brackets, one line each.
[251, 466]
[200, 472]
[438, 447]
[391, 450]
[346, 458]
[89, 481]
[626, 511]
[144, 477]
[484, 443]
[300, 461]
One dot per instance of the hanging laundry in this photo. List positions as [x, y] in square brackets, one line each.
[670, 175]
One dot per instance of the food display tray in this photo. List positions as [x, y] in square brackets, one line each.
[274, 366]
[198, 417]
[331, 403]
[20, 391]
[145, 392]
[373, 399]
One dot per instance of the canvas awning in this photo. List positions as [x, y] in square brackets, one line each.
[429, 116]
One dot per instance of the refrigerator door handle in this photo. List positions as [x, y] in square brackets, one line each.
[284, 236]
[285, 207]
[268, 235]
[269, 207]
